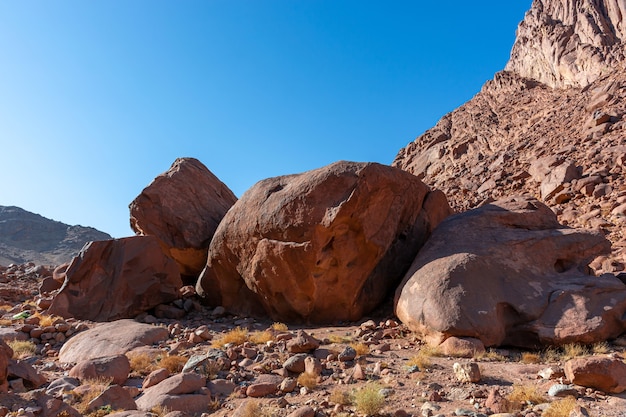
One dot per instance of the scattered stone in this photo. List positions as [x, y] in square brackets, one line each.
[467, 372]
[115, 368]
[562, 390]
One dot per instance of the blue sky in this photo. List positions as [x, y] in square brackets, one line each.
[99, 97]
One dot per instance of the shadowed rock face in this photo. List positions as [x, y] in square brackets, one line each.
[116, 279]
[182, 208]
[508, 273]
[565, 43]
[322, 246]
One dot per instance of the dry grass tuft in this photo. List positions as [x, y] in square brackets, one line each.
[524, 394]
[339, 339]
[423, 357]
[22, 348]
[601, 348]
[141, 364]
[96, 387]
[307, 380]
[47, 320]
[251, 408]
[551, 354]
[173, 363]
[530, 357]
[160, 410]
[6, 322]
[560, 408]
[237, 336]
[369, 400]
[340, 396]
[279, 327]
[260, 338]
[574, 350]
[360, 348]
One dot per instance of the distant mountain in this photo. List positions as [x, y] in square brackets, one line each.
[29, 237]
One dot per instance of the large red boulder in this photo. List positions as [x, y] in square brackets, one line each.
[321, 246]
[115, 279]
[508, 273]
[6, 353]
[182, 208]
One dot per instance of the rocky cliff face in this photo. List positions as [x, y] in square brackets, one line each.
[570, 43]
[29, 237]
[550, 125]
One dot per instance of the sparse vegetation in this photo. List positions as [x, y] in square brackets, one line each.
[490, 355]
[551, 354]
[307, 380]
[360, 348]
[46, 319]
[339, 339]
[369, 400]
[523, 395]
[251, 408]
[22, 348]
[96, 387]
[574, 350]
[160, 410]
[601, 348]
[237, 336]
[423, 357]
[530, 357]
[340, 396]
[173, 363]
[260, 338]
[141, 364]
[560, 408]
[279, 327]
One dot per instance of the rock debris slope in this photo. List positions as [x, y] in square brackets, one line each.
[550, 125]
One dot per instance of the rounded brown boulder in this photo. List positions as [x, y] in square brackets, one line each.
[182, 208]
[322, 246]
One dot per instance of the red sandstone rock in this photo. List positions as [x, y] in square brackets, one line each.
[508, 273]
[182, 208]
[117, 279]
[6, 353]
[115, 368]
[605, 374]
[321, 246]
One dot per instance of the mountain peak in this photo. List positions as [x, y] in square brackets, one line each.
[569, 43]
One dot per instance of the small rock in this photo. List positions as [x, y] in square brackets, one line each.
[467, 372]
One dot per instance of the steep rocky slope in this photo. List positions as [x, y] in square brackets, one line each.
[29, 237]
[551, 129]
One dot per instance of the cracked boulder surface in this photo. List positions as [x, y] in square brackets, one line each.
[322, 246]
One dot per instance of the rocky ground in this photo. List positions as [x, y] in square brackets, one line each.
[247, 367]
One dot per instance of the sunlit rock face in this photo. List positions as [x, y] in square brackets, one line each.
[569, 43]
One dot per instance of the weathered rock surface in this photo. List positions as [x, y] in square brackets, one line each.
[116, 368]
[109, 339]
[508, 273]
[603, 373]
[565, 43]
[117, 279]
[6, 353]
[182, 208]
[322, 246]
[181, 392]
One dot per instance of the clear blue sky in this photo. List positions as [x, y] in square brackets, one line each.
[99, 97]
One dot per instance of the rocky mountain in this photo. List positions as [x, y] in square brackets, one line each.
[29, 237]
[550, 125]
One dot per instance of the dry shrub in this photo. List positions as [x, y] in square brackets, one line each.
[251, 408]
[160, 410]
[308, 380]
[173, 363]
[524, 394]
[551, 354]
[369, 400]
[530, 357]
[490, 355]
[22, 348]
[96, 387]
[601, 348]
[141, 363]
[574, 350]
[340, 396]
[47, 320]
[423, 357]
[6, 322]
[360, 348]
[338, 339]
[237, 336]
[260, 338]
[279, 327]
[560, 408]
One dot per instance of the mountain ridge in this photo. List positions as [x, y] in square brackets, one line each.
[30, 237]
